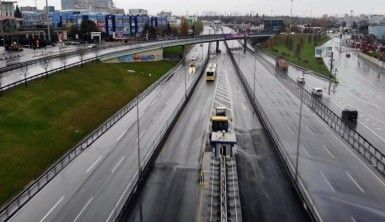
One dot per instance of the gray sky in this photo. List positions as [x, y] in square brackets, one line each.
[267, 7]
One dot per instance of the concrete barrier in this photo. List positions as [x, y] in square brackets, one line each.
[372, 60]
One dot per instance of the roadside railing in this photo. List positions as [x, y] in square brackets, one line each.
[299, 186]
[13, 205]
[355, 139]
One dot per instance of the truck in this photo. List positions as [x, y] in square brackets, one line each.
[281, 64]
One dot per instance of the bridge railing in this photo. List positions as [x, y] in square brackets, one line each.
[17, 202]
[351, 136]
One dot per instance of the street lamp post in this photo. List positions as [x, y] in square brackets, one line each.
[299, 136]
[137, 123]
[185, 74]
[48, 22]
[255, 67]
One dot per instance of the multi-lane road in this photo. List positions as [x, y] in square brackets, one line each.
[172, 191]
[341, 185]
[93, 185]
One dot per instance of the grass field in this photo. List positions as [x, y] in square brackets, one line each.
[174, 52]
[41, 122]
[307, 59]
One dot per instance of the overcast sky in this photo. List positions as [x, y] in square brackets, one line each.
[268, 7]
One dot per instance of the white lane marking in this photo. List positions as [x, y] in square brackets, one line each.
[373, 132]
[354, 154]
[243, 106]
[92, 166]
[156, 116]
[142, 133]
[54, 206]
[311, 131]
[153, 102]
[121, 136]
[353, 219]
[117, 164]
[355, 182]
[121, 197]
[327, 150]
[85, 206]
[306, 152]
[323, 176]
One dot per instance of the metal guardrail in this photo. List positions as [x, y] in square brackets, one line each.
[13, 205]
[300, 188]
[355, 139]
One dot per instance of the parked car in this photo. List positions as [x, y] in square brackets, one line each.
[316, 92]
[301, 80]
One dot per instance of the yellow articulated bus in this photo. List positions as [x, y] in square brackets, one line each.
[211, 72]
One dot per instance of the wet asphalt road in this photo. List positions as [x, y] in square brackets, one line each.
[90, 187]
[172, 189]
[341, 184]
[361, 86]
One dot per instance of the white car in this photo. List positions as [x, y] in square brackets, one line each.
[316, 92]
[301, 80]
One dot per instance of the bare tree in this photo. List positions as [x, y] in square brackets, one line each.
[24, 73]
[97, 52]
[81, 53]
[45, 63]
[64, 60]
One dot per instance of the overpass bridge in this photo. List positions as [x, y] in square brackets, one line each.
[10, 76]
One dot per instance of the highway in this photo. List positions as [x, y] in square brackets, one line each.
[341, 185]
[92, 186]
[172, 190]
[360, 87]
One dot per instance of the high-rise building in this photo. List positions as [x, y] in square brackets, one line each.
[137, 12]
[67, 4]
[7, 8]
[86, 4]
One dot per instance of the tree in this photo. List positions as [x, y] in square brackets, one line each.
[184, 27]
[63, 59]
[290, 44]
[152, 33]
[17, 13]
[354, 25]
[24, 73]
[145, 31]
[299, 48]
[198, 27]
[81, 53]
[344, 24]
[86, 27]
[72, 30]
[97, 52]
[45, 63]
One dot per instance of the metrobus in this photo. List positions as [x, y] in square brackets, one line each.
[211, 72]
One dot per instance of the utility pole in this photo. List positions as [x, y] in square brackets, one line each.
[255, 67]
[185, 70]
[331, 70]
[137, 123]
[48, 22]
[299, 137]
[291, 15]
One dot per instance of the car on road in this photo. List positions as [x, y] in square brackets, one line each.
[316, 92]
[301, 80]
